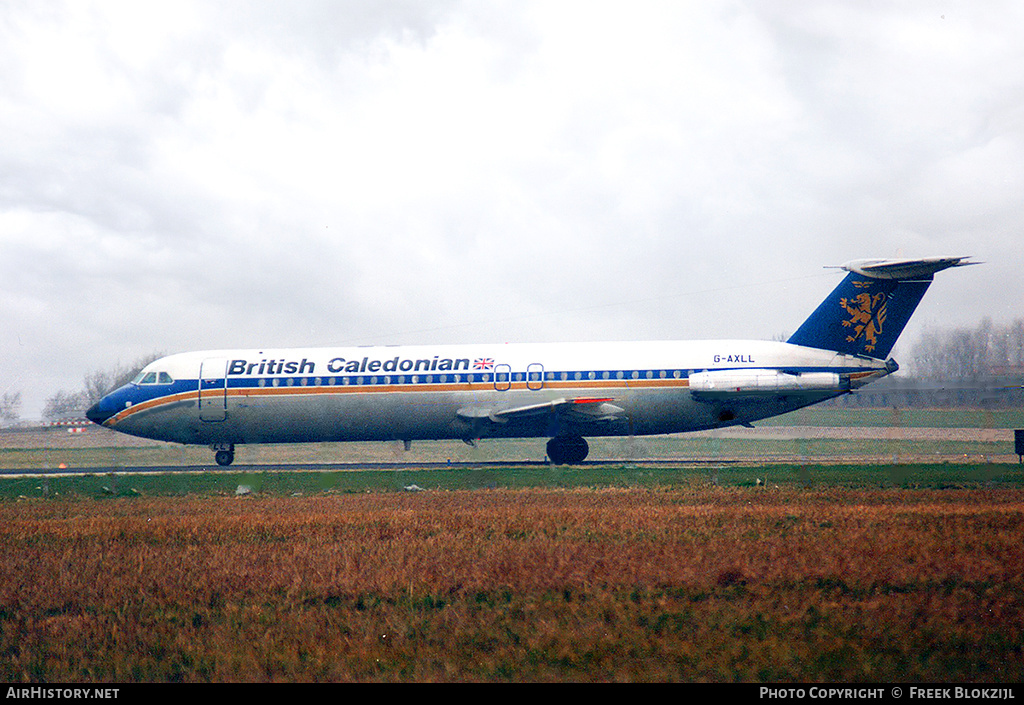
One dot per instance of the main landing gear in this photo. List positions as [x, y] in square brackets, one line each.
[567, 450]
[224, 453]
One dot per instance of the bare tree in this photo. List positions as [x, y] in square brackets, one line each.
[63, 404]
[970, 353]
[101, 382]
[1015, 343]
[10, 407]
[96, 385]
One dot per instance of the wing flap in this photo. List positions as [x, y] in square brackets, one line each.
[582, 409]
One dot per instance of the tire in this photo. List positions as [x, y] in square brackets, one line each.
[567, 450]
[224, 457]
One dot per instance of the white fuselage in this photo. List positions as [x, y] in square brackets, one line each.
[476, 391]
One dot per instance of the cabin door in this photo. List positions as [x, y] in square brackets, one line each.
[535, 376]
[502, 377]
[213, 390]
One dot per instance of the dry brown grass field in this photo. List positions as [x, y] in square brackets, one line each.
[673, 584]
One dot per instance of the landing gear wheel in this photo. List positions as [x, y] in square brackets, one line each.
[224, 457]
[567, 450]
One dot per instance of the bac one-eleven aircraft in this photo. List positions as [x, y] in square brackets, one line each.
[563, 391]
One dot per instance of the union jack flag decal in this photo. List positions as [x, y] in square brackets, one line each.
[483, 363]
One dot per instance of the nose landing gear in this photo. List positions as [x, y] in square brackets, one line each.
[224, 453]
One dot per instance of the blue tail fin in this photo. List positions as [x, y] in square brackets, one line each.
[866, 313]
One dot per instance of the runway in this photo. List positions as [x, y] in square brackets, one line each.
[355, 467]
[102, 452]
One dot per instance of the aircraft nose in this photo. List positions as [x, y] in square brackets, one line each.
[97, 414]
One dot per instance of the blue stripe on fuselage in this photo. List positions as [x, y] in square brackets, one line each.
[445, 382]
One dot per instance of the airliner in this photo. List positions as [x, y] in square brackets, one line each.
[561, 391]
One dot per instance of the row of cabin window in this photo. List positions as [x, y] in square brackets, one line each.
[164, 378]
[477, 377]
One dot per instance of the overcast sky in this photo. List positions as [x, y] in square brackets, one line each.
[181, 176]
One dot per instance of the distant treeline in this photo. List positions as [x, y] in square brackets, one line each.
[918, 393]
[985, 351]
[980, 367]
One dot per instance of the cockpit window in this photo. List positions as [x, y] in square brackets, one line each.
[153, 378]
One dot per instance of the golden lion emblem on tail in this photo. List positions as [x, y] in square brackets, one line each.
[867, 314]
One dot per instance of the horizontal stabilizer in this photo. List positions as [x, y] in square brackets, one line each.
[903, 269]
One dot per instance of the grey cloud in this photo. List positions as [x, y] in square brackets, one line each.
[212, 175]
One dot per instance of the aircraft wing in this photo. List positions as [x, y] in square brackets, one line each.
[580, 409]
